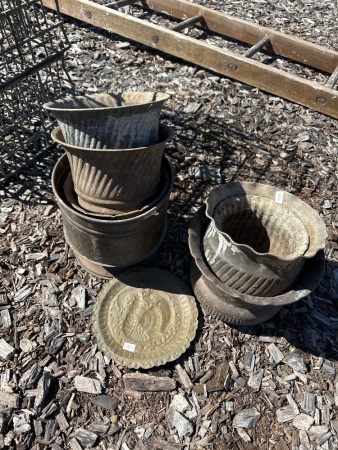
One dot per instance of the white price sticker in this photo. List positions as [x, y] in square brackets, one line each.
[129, 347]
[279, 197]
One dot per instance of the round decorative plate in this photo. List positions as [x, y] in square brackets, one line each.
[144, 317]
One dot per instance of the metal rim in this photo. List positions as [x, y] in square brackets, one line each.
[58, 105]
[314, 224]
[165, 134]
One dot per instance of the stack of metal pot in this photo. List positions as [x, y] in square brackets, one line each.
[113, 184]
[255, 249]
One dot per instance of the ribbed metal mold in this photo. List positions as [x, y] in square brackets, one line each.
[100, 121]
[262, 224]
[72, 199]
[115, 181]
[222, 302]
[255, 222]
[259, 237]
[113, 244]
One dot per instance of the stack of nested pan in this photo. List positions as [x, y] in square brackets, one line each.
[113, 183]
[255, 248]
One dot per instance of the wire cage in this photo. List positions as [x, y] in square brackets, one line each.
[32, 45]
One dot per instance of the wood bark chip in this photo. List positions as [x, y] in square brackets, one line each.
[88, 385]
[144, 382]
[9, 400]
[42, 391]
[85, 437]
[303, 421]
[106, 402]
[275, 353]
[184, 377]
[247, 418]
[46, 298]
[6, 350]
[255, 379]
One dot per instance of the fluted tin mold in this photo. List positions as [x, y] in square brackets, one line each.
[73, 202]
[259, 237]
[98, 121]
[227, 304]
[110, 243]
[115, 181]
[144, 317]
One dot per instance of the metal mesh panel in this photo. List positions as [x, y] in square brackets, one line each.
[24, 125]
[29, 40]
[32, 44]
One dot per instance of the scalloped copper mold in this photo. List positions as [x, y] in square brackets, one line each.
[144, 317]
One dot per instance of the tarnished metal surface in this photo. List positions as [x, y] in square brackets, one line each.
[101, 121]
[144, 317]
[73, 202]
[108, 242]
[259, 237]
[115, 181]
[229, 305]
[108, 272]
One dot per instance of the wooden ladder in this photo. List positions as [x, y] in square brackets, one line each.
[241, 67]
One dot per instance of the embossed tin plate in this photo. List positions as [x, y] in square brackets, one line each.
[144, 317]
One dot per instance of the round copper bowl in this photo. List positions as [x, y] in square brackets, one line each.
[224, 303]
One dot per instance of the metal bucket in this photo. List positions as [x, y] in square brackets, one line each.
[259, 237]
[106, 120]
[115, 181]
[105, 246]
[224, 303]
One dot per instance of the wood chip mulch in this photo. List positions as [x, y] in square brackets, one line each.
[268, 386]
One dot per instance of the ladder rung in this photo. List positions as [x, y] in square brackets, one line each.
[120, 3]
[256, 48]
[187, 23]
[333, 79]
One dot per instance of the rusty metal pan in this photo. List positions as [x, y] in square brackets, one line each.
[232, 306]
[144, 317]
